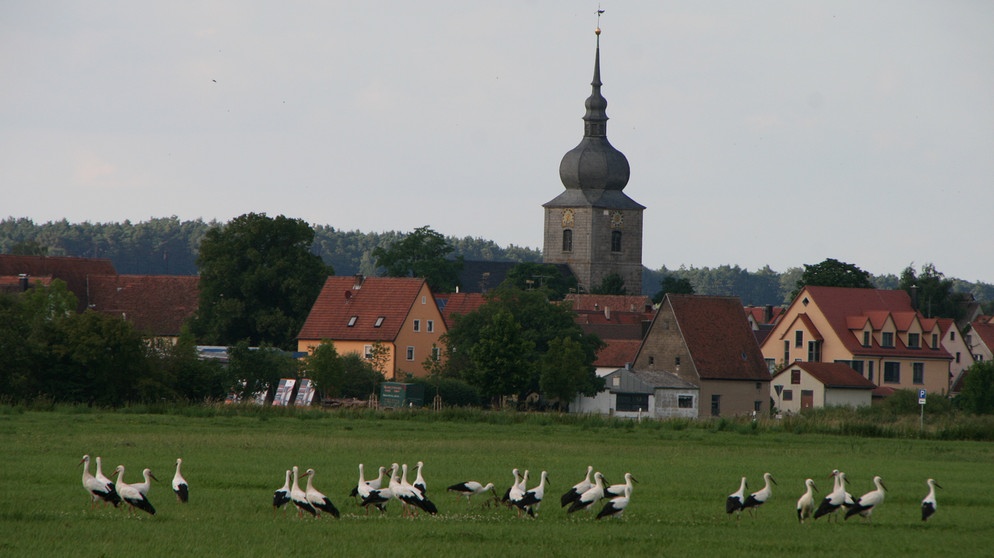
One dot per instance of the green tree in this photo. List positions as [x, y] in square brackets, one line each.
[190, 378]
[565, 373]
[327, 370]
[833, 273]
[672, 284]
[933, 292]
[612, 284]
[258, 281]
[501, 363]
[977, 395]
[259, 370]
[423, 253]
[359, 379]
[534, 275]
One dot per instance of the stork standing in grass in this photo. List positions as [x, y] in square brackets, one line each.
[412, 497]
[517, 480]
[735, 500]
[131, 495]
[99, 491]
[517, 491]
[419, 480]
[868, 502]
[806, 503]
[532, 499]
[577, 489]
[180, 486]
[281, 496]
[758, 498]
[146, 484]
[317, 499]
[299, 497]
[471, 488]
[615, 507]
[836, 499]
[590, 496]
[619, 489]
[929, 504]
[99, 475]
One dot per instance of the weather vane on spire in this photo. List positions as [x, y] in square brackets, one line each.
[599, 12]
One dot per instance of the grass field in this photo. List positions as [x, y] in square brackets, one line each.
[233, 464]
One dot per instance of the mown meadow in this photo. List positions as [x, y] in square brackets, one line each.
[234, 460]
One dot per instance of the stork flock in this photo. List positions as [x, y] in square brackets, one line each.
[839, 500]
[104, 491]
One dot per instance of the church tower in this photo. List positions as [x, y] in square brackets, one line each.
[593, 226]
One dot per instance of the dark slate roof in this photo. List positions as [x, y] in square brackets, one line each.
[156, 305]
[608, 199]
[71, 270]
[484, 276]
[664, 380]
[388, 297]
[831, 375]
[718, 337]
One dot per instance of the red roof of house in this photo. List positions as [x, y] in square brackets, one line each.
[759, 313]
[615, 303]
[340, 300]
[155, 304]
[718, 337]
[617, 353]
[71, 270]
[985, 332]
[832, 375]
[453, 304]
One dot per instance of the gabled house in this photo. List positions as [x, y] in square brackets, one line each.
[875, 332]
[73, 271]
[156, 305]
[706, 341]
[612, 316]
[646, 394]
[954, 342]
[805, 385]
[358, 313]
[455, 304]
[981, 341]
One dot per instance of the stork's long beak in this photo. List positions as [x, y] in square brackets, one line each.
[774, 480]
[153, 476]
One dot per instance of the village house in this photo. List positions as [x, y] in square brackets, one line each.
[875, 332]
[806, 385]
[156, 305]
[357, 314]
[20, 272]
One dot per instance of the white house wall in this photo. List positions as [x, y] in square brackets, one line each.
[848, 397]
[667, 403]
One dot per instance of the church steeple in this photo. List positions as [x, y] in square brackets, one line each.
[595, 164]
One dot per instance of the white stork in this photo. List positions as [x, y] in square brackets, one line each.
[517, 480]
[836, 499]
[371, 493]
[758, 498]
[619, 489]
[806, 503]
[532, 499]
[589, 496]
[99, 475]
[281, 496]
[419, 481]
[735, 500]
[574, 492]
[517, 490]
[929, 504]
[407, 494]
[131, 494]
[317, 499]
[180, 486]
[99, 491]
[299, 497]
[146, 484]
[471, 488]
[362, 482]
[615, 507]
[868, 502]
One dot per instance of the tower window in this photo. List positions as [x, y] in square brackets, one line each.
[615, 241]
[567, 240]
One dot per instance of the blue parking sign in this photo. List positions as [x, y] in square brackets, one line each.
[921, 397]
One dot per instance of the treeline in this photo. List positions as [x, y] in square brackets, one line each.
[168, 246]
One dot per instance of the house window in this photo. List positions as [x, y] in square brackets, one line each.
[914, 341]
[935, 341]
[798, 338]
[887, 339]
[957, 357]
[652, 360]
[869, 370]
[788, 395]
[379, 321]
[431, 326]
[410, 353]
[676, 361]
[632, 402]
[436, 353]
[771, 364]
[685, 401]
[367, 352]
[918, 373]
[786, 352]
[814, 351]
[715, 405]
[417, 326]
[866, 338]
[795, 377]
[857, 365]
[352, 321]
[952, 335]
[757, 406]
[568, 240]
[892, 372]
[424, 300]
[615, 241]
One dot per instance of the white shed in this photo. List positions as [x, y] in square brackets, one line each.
[804, 385]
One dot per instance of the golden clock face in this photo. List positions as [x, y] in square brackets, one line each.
[568, 219]
[617, 219]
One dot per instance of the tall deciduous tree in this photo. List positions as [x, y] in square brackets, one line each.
[326, 369]
[833, 273]
[612, 284]
[565, 373]
[932, 292]
[978, 389]
[258, 280]
[672, 284]
[423, 253]
[534, 275]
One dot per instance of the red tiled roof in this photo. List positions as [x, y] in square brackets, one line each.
[985, 332]
[618, 352]
[718, 337]
[388, 297]
[832, 375]
[155, 304]
[452, 304]
[616, 303]
[71, 270]
[758, 313]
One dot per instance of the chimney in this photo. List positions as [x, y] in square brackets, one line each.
[22, 281]
[914, 297]
[768, 314]
[359, 278]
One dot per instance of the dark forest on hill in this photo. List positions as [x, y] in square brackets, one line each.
[169, 246]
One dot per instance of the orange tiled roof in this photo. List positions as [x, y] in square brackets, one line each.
[452, 304]
[616, 303]
[339, 301]
[155, 304]
[617, 353]
[832, 375]
[985, 332]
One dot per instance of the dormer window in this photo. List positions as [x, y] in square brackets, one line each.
[379, 321]
[353, 320]
[914, 341]
[887, 339]
[866, 338]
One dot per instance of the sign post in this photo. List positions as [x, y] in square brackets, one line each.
[921, 402]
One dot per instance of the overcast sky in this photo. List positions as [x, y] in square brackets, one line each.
[759, 133]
